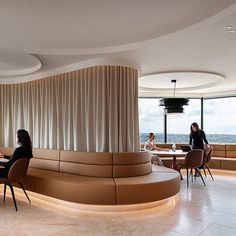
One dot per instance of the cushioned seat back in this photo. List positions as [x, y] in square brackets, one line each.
[194, 158]
[93, 164]
[207, 154]
[218, 150]
[129, 164]
[230, 151]
[18, 170]
[47, 159]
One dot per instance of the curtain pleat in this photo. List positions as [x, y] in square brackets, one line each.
[93, 109]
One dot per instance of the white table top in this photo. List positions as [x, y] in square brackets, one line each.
[169, 153]
[3, 159]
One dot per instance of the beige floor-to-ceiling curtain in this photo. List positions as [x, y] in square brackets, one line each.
[93, 109]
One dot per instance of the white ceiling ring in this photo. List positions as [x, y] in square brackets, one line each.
[185, 81]
[15, 63]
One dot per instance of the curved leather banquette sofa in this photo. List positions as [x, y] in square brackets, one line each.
[100, 178]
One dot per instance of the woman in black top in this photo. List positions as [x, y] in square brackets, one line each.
[197, 136]
[24, 149]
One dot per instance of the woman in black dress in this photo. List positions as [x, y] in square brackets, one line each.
[24, 149]
[197, 136]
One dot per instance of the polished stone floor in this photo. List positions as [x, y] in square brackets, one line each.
[198, 210]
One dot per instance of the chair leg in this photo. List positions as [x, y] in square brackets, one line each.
[13, 195]
[24, 191]
[209, 172]
[204, 170]
[201, 176]
[187, 177]
[191, 173]
[4, 193]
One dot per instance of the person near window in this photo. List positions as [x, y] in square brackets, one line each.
[150, 145]
[197, 137]
[23, 150]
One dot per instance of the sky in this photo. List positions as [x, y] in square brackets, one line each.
[219, 116]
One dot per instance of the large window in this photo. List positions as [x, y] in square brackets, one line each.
[178, 125]
[151, 119]
[220, 120]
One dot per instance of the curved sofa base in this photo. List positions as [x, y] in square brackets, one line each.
[160, 184]
[168, 203]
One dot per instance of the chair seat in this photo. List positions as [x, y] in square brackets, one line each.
[4, 181]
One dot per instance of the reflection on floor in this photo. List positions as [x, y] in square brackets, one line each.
[199, 210]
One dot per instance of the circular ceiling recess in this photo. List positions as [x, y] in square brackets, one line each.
[189, 80]
[15, 63]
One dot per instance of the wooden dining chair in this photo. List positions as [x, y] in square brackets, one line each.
[16, 173]
[206, 159]
[193, 160]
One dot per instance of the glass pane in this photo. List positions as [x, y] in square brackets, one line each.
[151, 119]
[220, 120]
[178, 125]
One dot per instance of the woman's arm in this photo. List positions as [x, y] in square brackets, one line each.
[190, 139]
[15, 156]
[204, 138]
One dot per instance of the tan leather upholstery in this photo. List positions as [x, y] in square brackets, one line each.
[45, 159]
[218, 150]
[86, 170]
[48, 154]
[96, 158]
[215, 163]
[228, 164]
[92, 164]
[44, 164]
[132, 170]
[126, 158]
[62, 177]
[127, 164]
[75, 188]
[147, 188]
[230, 151]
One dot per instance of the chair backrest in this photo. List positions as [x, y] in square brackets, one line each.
[18, 170]
[207, 154]
[193, 158]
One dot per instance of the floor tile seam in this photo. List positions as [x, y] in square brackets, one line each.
[208, 227]
[226, 226]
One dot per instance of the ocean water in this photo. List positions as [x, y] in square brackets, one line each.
[184, 138]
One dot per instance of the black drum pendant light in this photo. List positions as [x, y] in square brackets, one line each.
[174, 105]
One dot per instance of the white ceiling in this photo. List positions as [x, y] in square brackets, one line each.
[173, 39]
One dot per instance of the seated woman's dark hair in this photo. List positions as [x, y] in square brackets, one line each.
[24, 139]
[150, 135]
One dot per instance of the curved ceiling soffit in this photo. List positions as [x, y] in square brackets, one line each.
[18, 64]
[195, 80]
[69, 68]
[122, 47]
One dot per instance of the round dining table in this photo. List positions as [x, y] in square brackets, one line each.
[174, 154]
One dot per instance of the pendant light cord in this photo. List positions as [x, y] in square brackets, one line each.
[174, 81]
